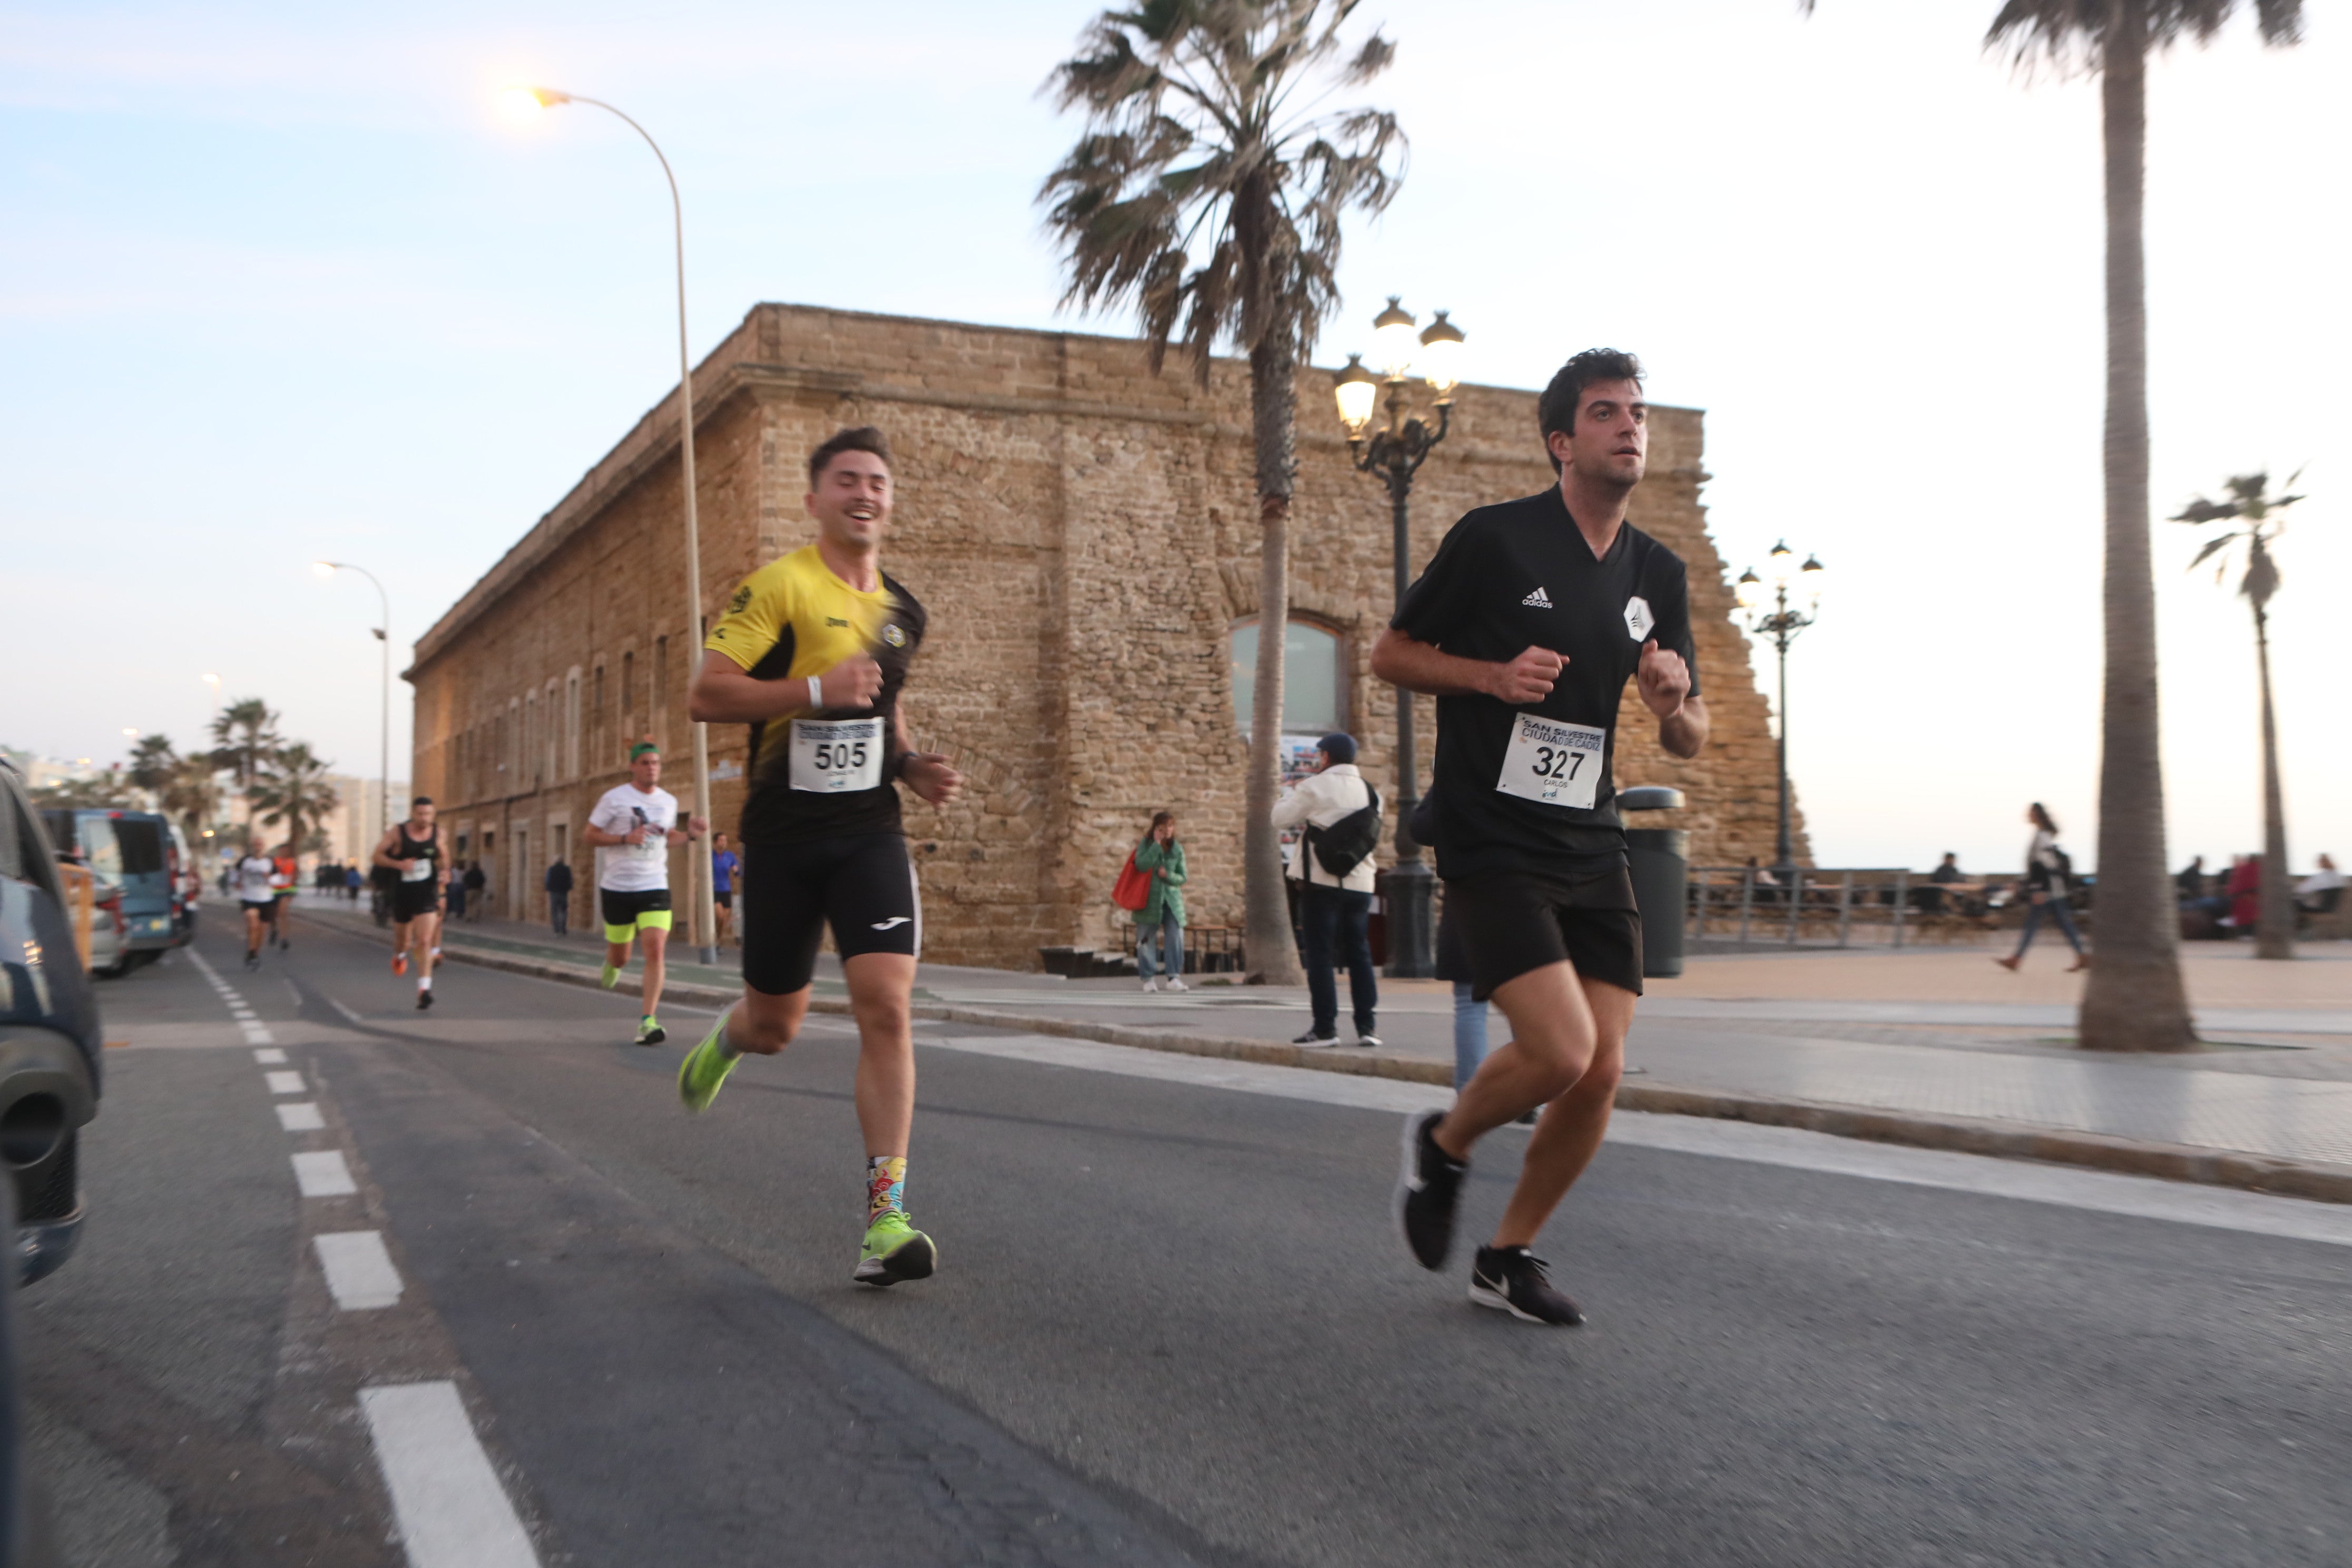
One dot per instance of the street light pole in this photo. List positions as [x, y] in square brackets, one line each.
[384, 635]
[699, 886]
[1396, 453]
[1783, 624]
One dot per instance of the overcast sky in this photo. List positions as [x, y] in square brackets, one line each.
[277, 282]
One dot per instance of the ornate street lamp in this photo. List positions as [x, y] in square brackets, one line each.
[1782, 624]
[1395, 454]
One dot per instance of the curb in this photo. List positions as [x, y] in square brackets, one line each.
[2314, 1180]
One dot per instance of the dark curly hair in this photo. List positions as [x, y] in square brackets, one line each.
[1556, 409]
[863, 438]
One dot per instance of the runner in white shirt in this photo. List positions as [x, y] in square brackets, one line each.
[260, 898]
[633, 827]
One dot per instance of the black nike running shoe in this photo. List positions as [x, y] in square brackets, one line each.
[1511, 1279]
[1428, 1191]
[424, 1000]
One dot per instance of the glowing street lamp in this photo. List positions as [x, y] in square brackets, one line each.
[1395, 454]
[522, 102]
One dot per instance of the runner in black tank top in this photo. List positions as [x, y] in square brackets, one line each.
[414, 851]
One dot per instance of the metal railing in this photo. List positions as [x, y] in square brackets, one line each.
[1808, 906]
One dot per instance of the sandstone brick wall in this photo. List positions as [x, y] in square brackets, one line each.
[1085, 535]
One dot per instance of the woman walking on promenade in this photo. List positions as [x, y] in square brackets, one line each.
[2046, 869]
[1160, 923]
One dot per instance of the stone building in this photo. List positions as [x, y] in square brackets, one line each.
[1084, 533]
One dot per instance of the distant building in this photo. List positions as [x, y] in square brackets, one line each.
[1085, 535]
[357, 820]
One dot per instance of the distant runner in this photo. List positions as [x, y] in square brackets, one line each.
[416, 853]
[634, 825]
[286, 873]
[251, 877]
[1526, 627]
[724, 866]
[813, 654]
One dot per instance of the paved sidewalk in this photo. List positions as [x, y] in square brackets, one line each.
[1820, 1039]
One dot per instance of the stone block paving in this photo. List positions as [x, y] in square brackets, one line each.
[1809, 1026]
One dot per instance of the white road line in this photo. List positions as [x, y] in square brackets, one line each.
[451, 1509]
[336, 1003]
[301, 1116]
[284, 1082]
[256, 1034]
[321, 1173]
[269, 1057]
[359, 1270]
[2144, 1197]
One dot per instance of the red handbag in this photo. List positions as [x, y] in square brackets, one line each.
[1133, 887]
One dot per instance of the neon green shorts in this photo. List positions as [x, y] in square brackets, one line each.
[625, 914]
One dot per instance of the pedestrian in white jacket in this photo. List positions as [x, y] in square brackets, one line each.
[1336, 910]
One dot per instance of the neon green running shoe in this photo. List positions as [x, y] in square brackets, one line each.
[704, 1071]
[650, 1032]
[895, 1250]
[612, 972]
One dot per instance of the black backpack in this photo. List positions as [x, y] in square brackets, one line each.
[1342, 847]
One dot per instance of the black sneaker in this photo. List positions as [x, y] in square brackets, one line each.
[1311, 1038]
[1428, 1191]
[1511, 1279]
[424, 1000]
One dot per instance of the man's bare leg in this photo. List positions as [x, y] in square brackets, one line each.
[427, 930]
[655, 942]
[880, 987]
[1569, 1132]
[1553, 1039]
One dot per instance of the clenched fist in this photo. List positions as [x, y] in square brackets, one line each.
[1663, 679]
[1526, 679]
[855, 682]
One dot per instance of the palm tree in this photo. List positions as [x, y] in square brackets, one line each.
[2135, 1000]
[2249, 505]
[244, 735]
[293, 789]
[193, 793]
[153, 761]
[1208, 191]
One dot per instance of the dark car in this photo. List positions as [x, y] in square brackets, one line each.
[134, 850]
[49, 1039]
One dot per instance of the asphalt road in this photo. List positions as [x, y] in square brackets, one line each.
[1172, 1323]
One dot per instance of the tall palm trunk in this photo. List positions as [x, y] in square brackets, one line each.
[2135, 1000]
[1273, 956]
[2274, 933]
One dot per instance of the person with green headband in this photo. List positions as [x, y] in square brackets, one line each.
[634, 827]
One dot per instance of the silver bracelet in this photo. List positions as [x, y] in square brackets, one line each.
[816, 692]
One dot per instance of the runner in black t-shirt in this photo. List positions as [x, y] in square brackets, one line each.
[1528, 622]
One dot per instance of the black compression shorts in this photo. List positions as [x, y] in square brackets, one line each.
[1515, 922]
[410, 900]
[862, 884]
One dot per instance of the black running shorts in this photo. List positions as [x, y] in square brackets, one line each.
[1516, 923]
[862, 884]
[410, 900]
[626, 912]
[724, 897]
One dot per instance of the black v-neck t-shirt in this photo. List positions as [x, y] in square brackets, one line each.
[1517, 575]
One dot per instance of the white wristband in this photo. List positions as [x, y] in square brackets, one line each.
[816, 692]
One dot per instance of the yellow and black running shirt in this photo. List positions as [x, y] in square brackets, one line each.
[793, 618]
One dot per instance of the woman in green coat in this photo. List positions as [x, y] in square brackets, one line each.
[1160, 923]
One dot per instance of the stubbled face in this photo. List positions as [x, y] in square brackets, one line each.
[420, 818]
[1611, 443]
[646, 771]
[851, 502]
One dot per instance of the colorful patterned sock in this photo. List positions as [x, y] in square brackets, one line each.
[885, 1185]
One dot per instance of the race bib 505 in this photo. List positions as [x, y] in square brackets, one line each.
[833, 756]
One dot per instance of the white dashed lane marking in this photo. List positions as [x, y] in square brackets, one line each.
[301, 1115]
[284, 1082]
[270, 1056]
[359, 1270]
[321, 1173]
[451, 1509]
[257, 1033]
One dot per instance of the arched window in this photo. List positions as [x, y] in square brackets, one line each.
[1314, 693]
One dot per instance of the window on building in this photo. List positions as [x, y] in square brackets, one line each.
[596, 717]
[571, 723]
[628, 703]
[1314, 695]
[529, 772]
[659, 697]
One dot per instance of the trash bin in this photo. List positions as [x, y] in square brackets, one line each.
[1659, 858]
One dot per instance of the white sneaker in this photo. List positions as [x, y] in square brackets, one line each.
[1151, 986]
[1176, 984]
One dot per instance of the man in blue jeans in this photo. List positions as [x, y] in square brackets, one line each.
[1336, 909]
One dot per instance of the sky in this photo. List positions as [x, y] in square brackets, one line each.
[278, 282]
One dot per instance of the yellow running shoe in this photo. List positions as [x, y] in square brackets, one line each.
[703, 1072]
[895, 1250]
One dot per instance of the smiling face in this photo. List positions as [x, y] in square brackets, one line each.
[1609, 442]
[851, 501]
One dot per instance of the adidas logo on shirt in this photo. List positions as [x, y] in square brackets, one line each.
[1540, 599]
